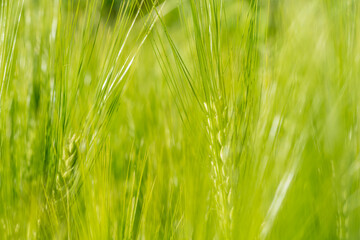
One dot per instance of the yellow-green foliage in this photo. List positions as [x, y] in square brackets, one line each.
[179, 119]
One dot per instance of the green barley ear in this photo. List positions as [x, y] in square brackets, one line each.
[68, 166]
[217, 128]
[209, 85]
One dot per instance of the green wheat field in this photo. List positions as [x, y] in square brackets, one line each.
[180, 119]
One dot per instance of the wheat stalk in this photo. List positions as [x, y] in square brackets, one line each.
[68, 166]
[217, 126]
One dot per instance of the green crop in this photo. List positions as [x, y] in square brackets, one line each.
[179, 119]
